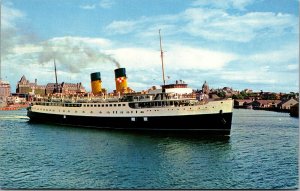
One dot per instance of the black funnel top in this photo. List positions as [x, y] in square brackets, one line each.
[95, 76]
[120, 72]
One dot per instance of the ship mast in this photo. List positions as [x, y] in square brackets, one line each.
[56, 84]
[162, 60]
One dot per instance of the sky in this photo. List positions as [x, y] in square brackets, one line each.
[241, 44]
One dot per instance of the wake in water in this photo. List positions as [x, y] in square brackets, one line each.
[13, 117]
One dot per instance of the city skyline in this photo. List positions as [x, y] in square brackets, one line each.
[236, 43]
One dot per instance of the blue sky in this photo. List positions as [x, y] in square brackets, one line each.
[235, 43]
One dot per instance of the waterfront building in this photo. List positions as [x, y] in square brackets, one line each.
[265, 103]
[65, 88]
[4, 90]
[26, 87]
[242, 103]
[287, 104]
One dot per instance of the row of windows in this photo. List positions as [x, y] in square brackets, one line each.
[80, 105]
[104, 105]
[108, 112]
[132, 105]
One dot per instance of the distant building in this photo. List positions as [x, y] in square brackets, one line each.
[26, 87]
[4, 90]
[205, 88]
[72, 88]
[286, 105]
[248, 91]
[65, 88]
[265, 103]
[242, 103]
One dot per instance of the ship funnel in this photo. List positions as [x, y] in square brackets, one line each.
[121, 80]
[96, 83]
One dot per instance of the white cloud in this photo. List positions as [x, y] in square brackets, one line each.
[9, 16]
[100, 42]
[9, 29]
[121, 27]
[106, 4]
[221, 4]
[219, 25]
[136, 57]
[87, 6]
[280, 56]
[73, 54]
[180, 56]
[177, 57]
[27, 49]
[211, 24]
[258, 75]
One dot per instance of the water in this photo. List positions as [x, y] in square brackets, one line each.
[261, 153]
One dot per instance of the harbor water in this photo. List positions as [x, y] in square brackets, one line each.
[261, 153]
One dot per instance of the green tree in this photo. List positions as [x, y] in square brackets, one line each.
[221, 94]
[237, 96]
[244, 94]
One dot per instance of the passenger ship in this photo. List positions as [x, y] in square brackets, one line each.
[173, 108]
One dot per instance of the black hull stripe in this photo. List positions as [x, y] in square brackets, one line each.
[206, 123]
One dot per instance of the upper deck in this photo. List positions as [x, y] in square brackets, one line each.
[131, 101]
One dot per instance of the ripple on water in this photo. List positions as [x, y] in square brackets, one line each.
[261, 153]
